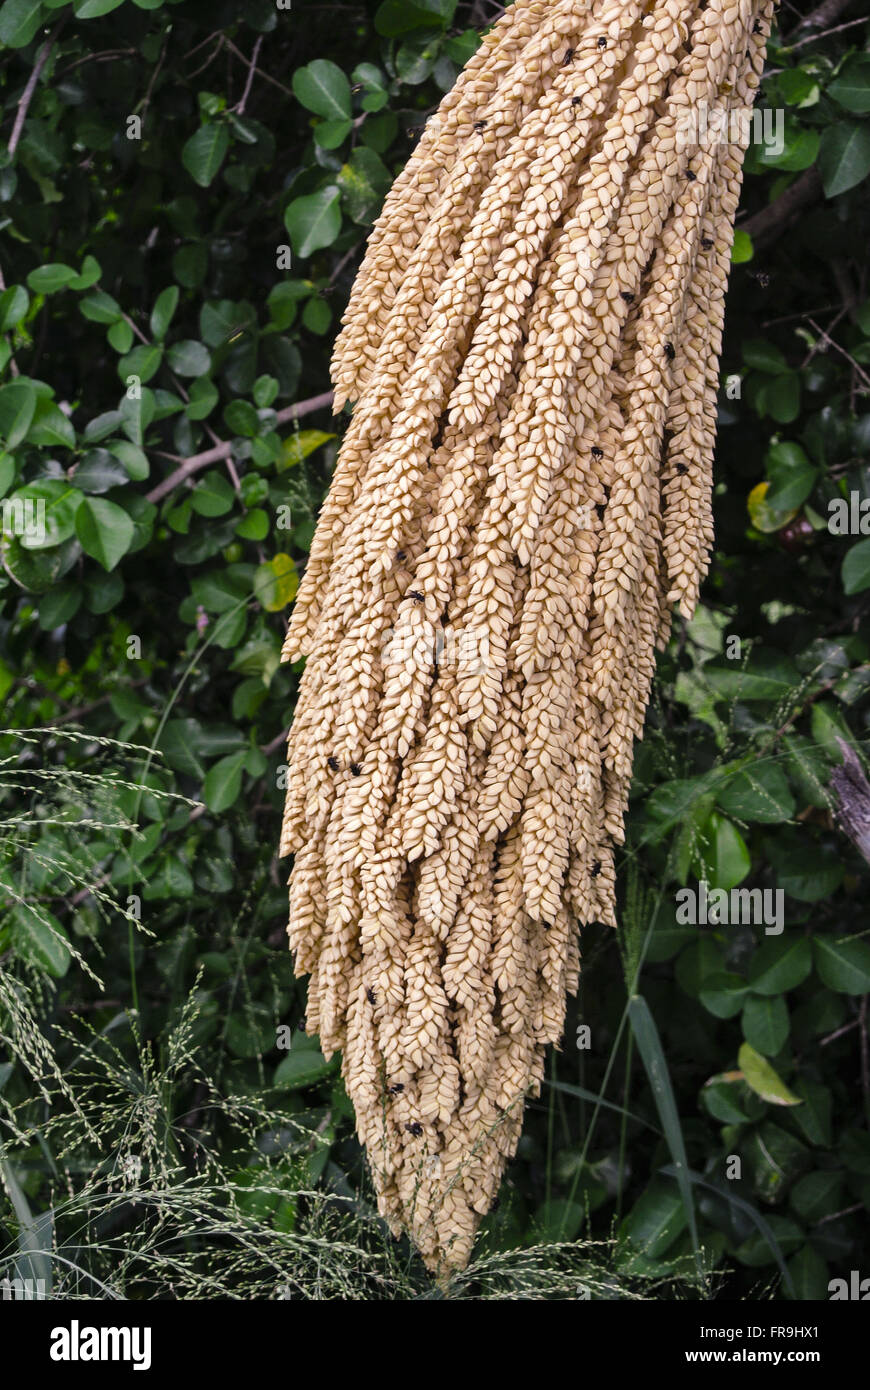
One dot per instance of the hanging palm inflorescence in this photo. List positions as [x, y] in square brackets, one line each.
[522, 494]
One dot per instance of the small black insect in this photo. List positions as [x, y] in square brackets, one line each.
[480, 125]
[602, 42]
[355, 770]
[332, 764]
[756, 28]
[599, 507]
[302, 1023]
[691, 175]
[670, 351]
[575, 101]
[596, 452]
[371, 996]
[546, 925]
[596, 869]
[569, 55]
[416, 596]
[400, 556]
[397, 1088]
[682, 469]
[706, 242]
[627, 296]
[414, 1128]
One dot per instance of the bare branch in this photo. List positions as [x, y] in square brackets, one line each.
[27, 95]
[765, 226]
[221, 451]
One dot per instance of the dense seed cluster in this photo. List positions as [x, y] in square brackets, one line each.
[522, 493]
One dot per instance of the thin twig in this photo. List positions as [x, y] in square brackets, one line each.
[841, 350]
[265, 75]
[268, 748]
[221, 451]
[239, 107]
[814, 38]
[765, 226]
[27, 95]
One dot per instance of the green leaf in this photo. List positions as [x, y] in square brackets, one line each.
[763, 356]
[780, 965]
[203, 399]
[756, 1251]
[88, 275]
[758, 793]
[105, 531]
[302, 1067]
[761, 1077]
[766, 675]
[314, 221]
[92, 9]
[330, 134]
[164, 307]
[851, 88]
[47, 279]
[401, 16]
[721, 856]
[656, 1219]
[203, 154]
[810, 1275]
[804, 870]
[323, 88]
[299, 445]
[223, 782]
[363, 181]
[650, 1048]
[120, 336]
[722, 1099]
[142, 362]
[276, 582]
[742, 249]
[19, 21]
[213, 495]
[220, 591]
[855, 569]
[816, 1195]
[99, 470]
[53, 506]
[843, 965]
[722, 994]
[792, 476]
[100, 307]
[17, 405]
[844, 157]
[254, 526]
[189, 357]
[241, 418]
[782, 400]
[137, 412]
[14, 304]
[50, 426]
[134, 460]
[765, 1023]
[171, 880]
[40, 939]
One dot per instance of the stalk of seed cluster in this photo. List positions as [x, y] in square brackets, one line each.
[522, 493]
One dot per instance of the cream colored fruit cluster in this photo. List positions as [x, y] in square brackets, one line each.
[522, 493]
